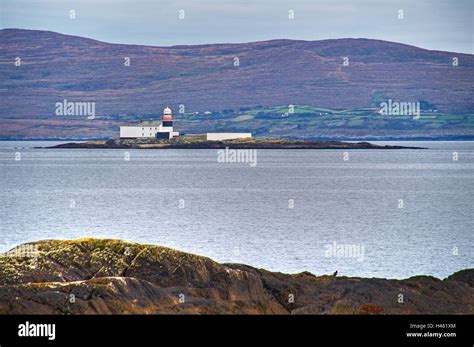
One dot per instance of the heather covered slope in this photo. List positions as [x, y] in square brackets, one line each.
[204, 78]
[270, 73]
[116, 277]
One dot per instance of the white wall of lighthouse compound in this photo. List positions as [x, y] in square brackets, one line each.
[138, 131]
[227, 136]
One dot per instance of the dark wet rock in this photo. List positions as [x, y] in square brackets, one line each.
[281, 144]
[180, 143]
[466, 276]
[96, 276]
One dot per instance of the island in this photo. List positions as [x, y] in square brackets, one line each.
[104, 276]
[199, 142]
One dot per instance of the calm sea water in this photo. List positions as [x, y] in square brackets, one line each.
[409, 211]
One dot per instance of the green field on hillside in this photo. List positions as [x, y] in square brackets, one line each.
[304, 120]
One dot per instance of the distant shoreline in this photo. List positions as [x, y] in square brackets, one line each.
[342, 139]
[232, 144]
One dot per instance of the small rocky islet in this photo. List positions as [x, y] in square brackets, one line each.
[199, 142]
[103, 276]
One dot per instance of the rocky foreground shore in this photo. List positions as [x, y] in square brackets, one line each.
[97, 276]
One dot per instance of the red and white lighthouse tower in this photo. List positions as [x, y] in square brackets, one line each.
[167, 118]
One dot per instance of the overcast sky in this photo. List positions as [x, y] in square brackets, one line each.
[433, 24]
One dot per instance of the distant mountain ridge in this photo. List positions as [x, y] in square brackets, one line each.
[211, 77]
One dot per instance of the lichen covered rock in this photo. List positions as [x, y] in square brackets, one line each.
[100, 276]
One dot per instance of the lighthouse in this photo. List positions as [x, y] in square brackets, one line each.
[150, 129]
[167, 119]
[166, 129]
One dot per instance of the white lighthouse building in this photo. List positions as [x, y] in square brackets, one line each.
[151, 129]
